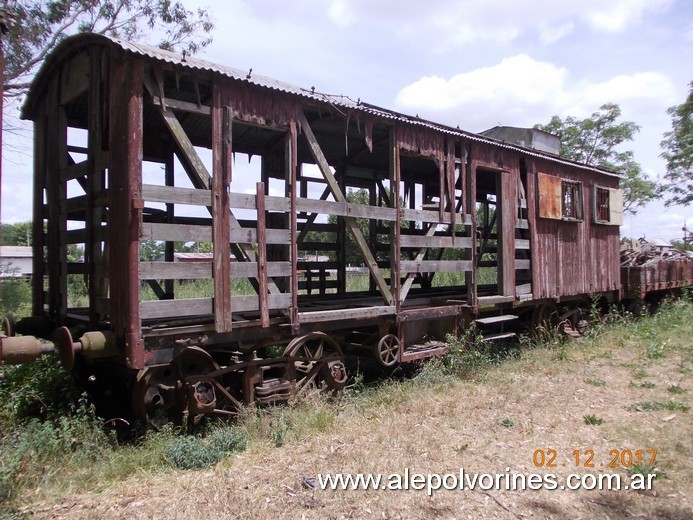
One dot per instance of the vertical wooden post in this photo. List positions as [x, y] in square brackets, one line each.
[291, 159]
[221, 211]
[92, 248]
[470, 182]
[125, 214]
[56, 160]
[39, 234]
[395, 229]
[169, 253]
[262, 253]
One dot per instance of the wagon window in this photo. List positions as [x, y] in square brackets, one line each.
[602, 205]
[571, 200]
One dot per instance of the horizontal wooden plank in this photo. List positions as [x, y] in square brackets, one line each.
[195, 197]
[249, 269]
[176, 232]
[345, 314]
[153, 309]
[521, 243]
[76, 268]
[171, 308]
[175, 270]
[176, 195]
[523, 264]
[521, 223]
[435, 266]
[251, 303]
[184, 106]
[194, 233]
[202, 270]
[434, 241]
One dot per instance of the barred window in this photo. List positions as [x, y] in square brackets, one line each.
[572, 200]
[602, 207]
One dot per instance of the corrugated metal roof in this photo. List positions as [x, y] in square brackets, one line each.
[198, 64]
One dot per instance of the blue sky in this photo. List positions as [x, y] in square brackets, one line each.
[469, 63]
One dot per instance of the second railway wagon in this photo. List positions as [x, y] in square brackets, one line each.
[135, 145]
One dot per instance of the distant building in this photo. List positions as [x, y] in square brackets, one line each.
[16, 261]
[526, 137]
[659, 244]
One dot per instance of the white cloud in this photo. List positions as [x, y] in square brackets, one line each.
[340, 13]
[616, 16]
[521, 91]
[552, 33]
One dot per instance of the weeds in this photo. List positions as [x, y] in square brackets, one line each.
[192, 452]
[651, 406]
[592, 420]
[507, 423]
[675, 389]
[595, 382]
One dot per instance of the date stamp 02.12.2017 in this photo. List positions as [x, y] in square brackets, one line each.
[588, 458]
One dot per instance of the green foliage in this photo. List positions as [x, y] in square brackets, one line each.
[279, 430]
[678, 153]
[675, 389]
[651, 406]
[595, 382]
[507, 422]
[592, 420]
[40, 25]
[39, 389]
[20, 234]
[190, 452]
[596, 141]
[32, 448]
[15, 295]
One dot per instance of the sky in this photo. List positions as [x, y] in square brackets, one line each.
[476, 64]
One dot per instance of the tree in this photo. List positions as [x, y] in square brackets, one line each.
[595, 141]
[678, 153]
[19, 234]
[39, 25]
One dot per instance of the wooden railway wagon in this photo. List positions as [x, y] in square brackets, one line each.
[135, 145]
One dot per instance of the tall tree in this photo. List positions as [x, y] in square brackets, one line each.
[39, 25]
[678, 153]
[596, 141]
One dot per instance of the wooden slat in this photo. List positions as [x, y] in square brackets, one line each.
[345, 314]
[521, 223]
[202, 270]
[184, 106]
[154, 309]
[173, 308]
[175, 195]
[521, 243]
[435, 266]
[221, 211]
[194, 233]
[523, 264]
[435, 241]
[262, 255]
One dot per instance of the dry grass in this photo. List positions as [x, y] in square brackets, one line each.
[439, 429]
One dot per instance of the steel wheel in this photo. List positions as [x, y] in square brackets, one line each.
[387, 350]
[154, 396]
[314, 349]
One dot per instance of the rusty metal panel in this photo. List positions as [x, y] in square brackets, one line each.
[549, 196]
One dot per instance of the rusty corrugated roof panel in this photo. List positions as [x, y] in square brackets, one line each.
[198, 64]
